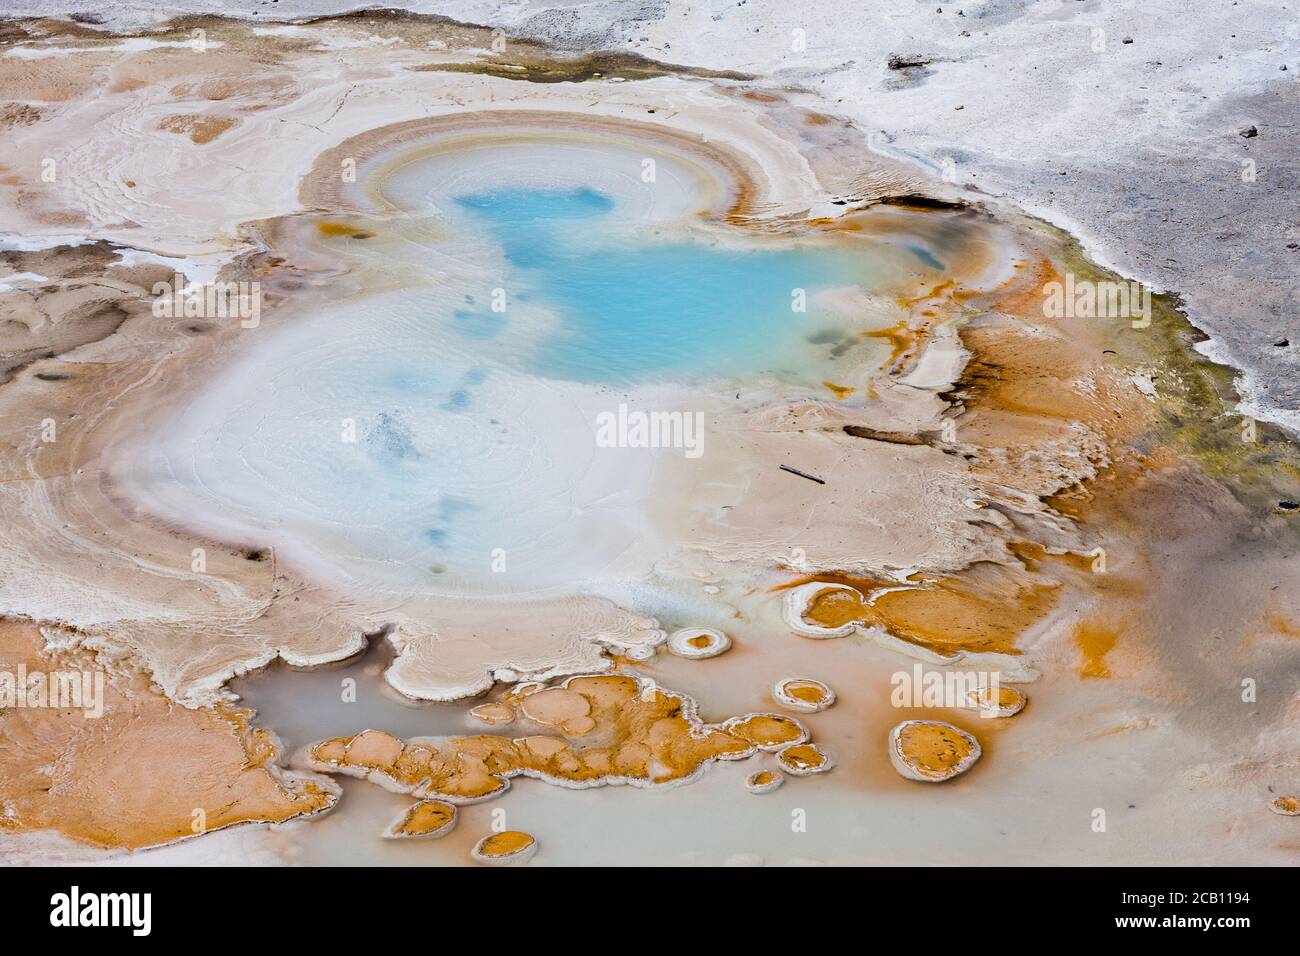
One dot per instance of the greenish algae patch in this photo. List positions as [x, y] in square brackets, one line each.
[1196, 398]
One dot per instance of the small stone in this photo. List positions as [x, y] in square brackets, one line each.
[1249, 132]
[898, 61]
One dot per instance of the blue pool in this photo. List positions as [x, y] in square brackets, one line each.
[635, 309]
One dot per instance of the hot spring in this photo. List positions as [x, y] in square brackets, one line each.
[427, 424]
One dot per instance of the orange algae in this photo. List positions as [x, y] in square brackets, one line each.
[839, 391]
[803, 759]
[1007, 697]
[330, 228]
[859, 582]
[638, 732]
[143, 773]
[763, 781]
[428, 818]
[947, 617]
[767, 731]
[836, 607]
[1037, 384]
[940, 290]
[932, 749]
[1285, 806]
[902, 338]
[1026, 298]
[941, 614]
[504, 846]
[1095, 639]
[805, 691]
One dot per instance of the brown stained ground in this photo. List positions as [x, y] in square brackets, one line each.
[638, 732]
[1038, 382]
[200, 129]
[137, 775]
